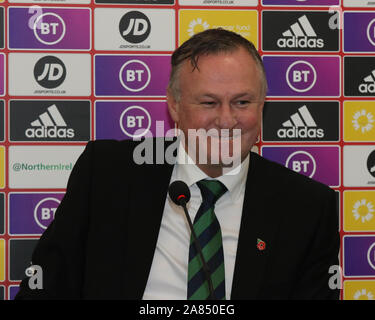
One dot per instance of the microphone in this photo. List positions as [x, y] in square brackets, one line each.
[179, 193]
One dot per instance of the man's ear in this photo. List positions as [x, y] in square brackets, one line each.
[173, 106]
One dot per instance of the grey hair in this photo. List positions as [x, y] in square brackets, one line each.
[211, 41]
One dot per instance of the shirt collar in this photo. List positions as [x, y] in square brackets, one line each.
[190, 173]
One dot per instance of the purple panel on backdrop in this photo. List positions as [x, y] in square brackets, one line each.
[302, 2]
[13, 290]
[359, 31]
[2, 74]
[31, 213]
[131, 75]
[319, 163]
[51, 28]
[303, 76]
[359, 256]
[121, 119]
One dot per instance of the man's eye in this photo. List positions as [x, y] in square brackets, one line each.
[243, 103]
[208, 103]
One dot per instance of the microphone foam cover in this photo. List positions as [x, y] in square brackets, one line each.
[177, 189]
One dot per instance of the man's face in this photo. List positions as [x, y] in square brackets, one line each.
[225, 92]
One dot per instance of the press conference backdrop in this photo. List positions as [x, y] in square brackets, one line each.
[77, 70]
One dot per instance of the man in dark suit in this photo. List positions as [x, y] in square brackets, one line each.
[265, 231]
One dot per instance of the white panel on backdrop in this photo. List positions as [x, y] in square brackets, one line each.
[232, 3]
[50, 1]
[134, 29]
[359, 3]
[49, 74]
[41, 166]
[359, 166]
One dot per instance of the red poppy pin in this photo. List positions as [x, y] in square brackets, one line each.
[261, 245]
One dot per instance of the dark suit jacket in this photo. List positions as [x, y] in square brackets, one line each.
[102, 240]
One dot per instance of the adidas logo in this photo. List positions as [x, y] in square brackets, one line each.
[50, 124]
[369, 84]
[300, 125]
[300, 35]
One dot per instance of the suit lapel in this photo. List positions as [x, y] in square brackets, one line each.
[146, 205]
[258, 222]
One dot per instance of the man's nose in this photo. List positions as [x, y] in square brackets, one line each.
[226, 117]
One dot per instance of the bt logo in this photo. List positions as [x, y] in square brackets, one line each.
[371, 32]
[44, 211]
[301, 76]
[135, 75]
[302, 162]
[135, 121]
[49, 72]
[371, 256]
[135, 27]
[49, 28]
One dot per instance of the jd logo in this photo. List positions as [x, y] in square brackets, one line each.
[49, 72]
[135, 27]
[371, 163]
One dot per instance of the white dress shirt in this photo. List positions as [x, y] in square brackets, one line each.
[169, 271]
